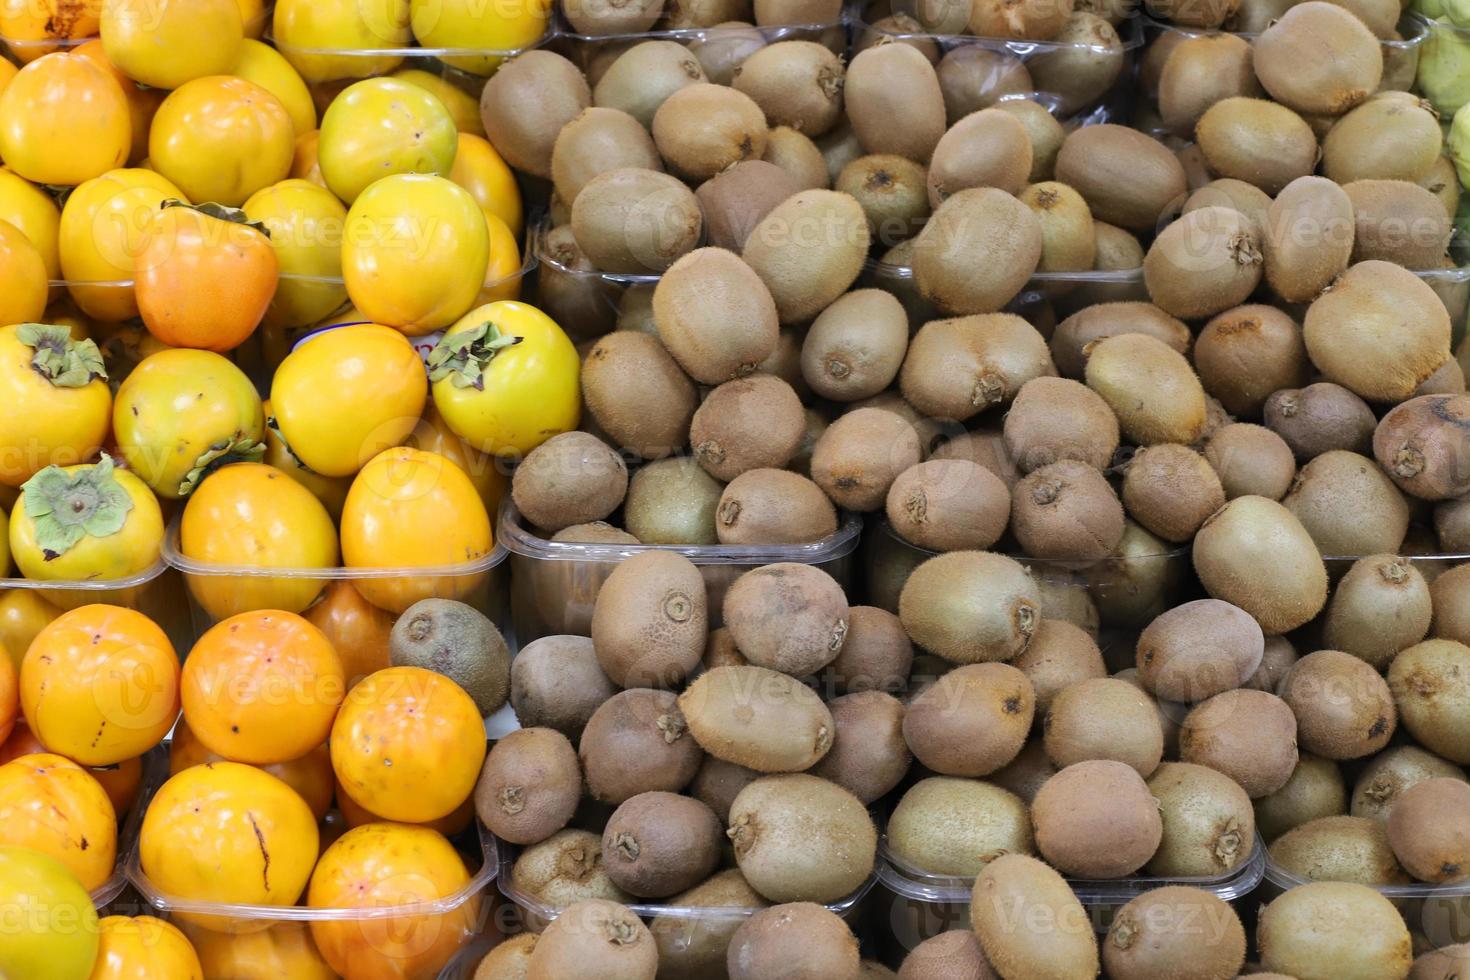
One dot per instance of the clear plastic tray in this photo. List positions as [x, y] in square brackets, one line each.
[155, 771]
[1284, 879]
[156, 592]
[554, 584]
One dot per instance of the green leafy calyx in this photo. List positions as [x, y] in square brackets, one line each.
[463, 357]
[64, 362]
[66, 507]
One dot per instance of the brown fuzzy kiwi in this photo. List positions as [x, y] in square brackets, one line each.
[1318, 58]
[1053, 419]
[785, 362]
[1251, 460]
[802, 839]
[520, 134]
[970, 606]
[894, 102]
[795, 940]
[1026, 773]
[959, 367]
[1104, 718]
[1448, 379]
[720, 651]
[1254, 16]
[1074, 335]
[715, 315]
[1198, 650]
[1387, 775]
[869, 756]
[1245, 354]
[1447, 589]
[982, 446]
[1201, 71]
[565, 868]
[1116, 251]
[1335, 929]
[1065, 598]
[1025, 20]
[1248, 735]
[1398, 222]
[746, 424]
[1315, 790]
[635, 311]
[977, 251]
[718, 783]
[1083, 66]
[1154, 58]
[568, 291]
[1309, 238]
[597, 532]
[1343, 706]
[1096, 819]
[876, 656]
[938, 16]
[1430, 682]
[1174, 931]
[796, 83]
[594, 938]
[1256, 554]
[949, 505]
[837, 148]
[773, 507]
[1452, 526]
[1061, 655]
[697, 946]
[600, 18]
[635, 742]
[858, 457]
[855, 346]
[796, 154]
[1207, 14]
[1319, 418]
[637, 394]
[1348, 506]
[1138, 581]
[898, 28]
[1444, 183]
[1383, 139]
[971, 721]
[595, 141]
[891, 191]
[703, 129]
[955, 953]
[641, 78]
[1380, 17]
[1149, 386]
[572, 478]
[1171, 490]
[672, 501]
[1203, 264]
[1209, 827]
[1068, 511]
[509, 960]
[556, 682]
[757, 719]
[785, 13]
[1257, 141]
[530, 785]
[1128, 179]
[988, 148]
[693, 14]
[948, 826]
[1429, 830]
[1068, 243]
[651, 620]
[806, 272]
[787, 617]
[1440, 963]
[1227, 192]
[1421, 444]
[659, 844]
[1058, 941]
[1339, 848]
[972, 78]
[735, 200]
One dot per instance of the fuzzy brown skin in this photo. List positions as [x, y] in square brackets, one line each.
[595, 141]
[806, 273]
[736, 200]
[1248, 735]
[802, 941]
[1340, 929]
[855, 347]
[718, 783]
[1032, 20]
[1026, 773]
[1046, 135]
[702, 129]
[658, 844]
[1175, 932]
[788, 617]
[1066, 511]
[637, 742]
[530, 785]
[971, 721]
[1209, 826]
[796, 83]
[1194, 13]
[1343, 706]
[802, 159]
[948, 826]
[983, 446]
[894, 103]
[1251, 460]
[778, 13]
[758, 718]
[537, 78]
[672, 501]
[1257, 141]
[891, 190]
[1381, 606]
[1068, 242]
[1309, 240]
[1126, 178]
[860, 454]
[1422, 443]
[1339, 848]
[1315, 790]
[876, 655]
[1430, 682]
[1348, 506]
[1318, 59]
[1254, 553]
[1053, 419]
[746, 424]
[509, 960]
[637, 394]
[869, 756]
[697, 947]
[970, 606]
[572, 478]
[586, 303]
[1200, 72]
[985, 226]
[1070, 343]
[1088, 59]
[595, 938]
[1278, 659]
[957, 368]
[1227, 192]
[955, 955]
[1171, 490]
[1441, 964]
[1319, 418]
[988, 148]
[773, 507]
[798, 838]
[1104, 718]
[1057, 943]
[949, 505]
[1205, 263]
[651, 620]
[1198, 650]
[1387, 775]
[1398, 222]
[715, 315]
[1060, 654]
[1150, 387]
[556, 682]
[642, 77]
[1450, 600]
[565, 868]
[974, 78]
[1383, 139]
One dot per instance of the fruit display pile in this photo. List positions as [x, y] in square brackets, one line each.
[751, 489]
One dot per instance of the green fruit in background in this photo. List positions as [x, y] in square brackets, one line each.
[1457, 145]
[50, 928]
[1457, 12]
[1429, 8]
[1444, 67]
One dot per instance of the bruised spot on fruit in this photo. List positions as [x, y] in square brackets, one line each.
[1046, 492]
[916, 506]
[1013, 705]
[990, 388]
[1449, 870]
[512, 799]
[1379, 726]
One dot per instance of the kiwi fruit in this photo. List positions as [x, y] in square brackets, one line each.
[799, 838]
[1087, 59]
[1066, 511]
[556, 682]
[642, 77]
[1343, 706]
[1200, 71]
[838, 147]
[1053, 939]
[894, 102]
[735, 200]
[569, 288]
[1245, 354]
[637, 741]
[955, 953]
[1429, 830]
[868, 757]
[1065, 598]
[1387, 775]
[1440, 964]
[1115, 250]
[1381, 606]
[1248, 735]
[1199, 649]
[1398, 222]
[720, 651]
[1251, 460]
[788, 617]
[988, 148]
[1171, 490]
[638, 396]
[1024, 20]
[1445, 591]
[970, 606]
[803, 272]
[1319, 418]
[658, 844]
[509, 960]
[601, 18]
[595, 141]
[571, 478]
[1026, 773]
[1127, 179]
[1443, 182]
[1070, 343]
[1061, 655]
[597, 532]
[797, 940]
[458, 641]
[1315, 790]
[1227, 192]
[856, 346]
[1421, 444]
[972, 78]
[718, 783]
[1318, 58]
[530, 785]
[801, 159]
[693, 14]
[1068, 243]
[859, 456]
[1348, 506]
[1103, 718]
[1334, 929]
[785, 13]
[948, 826]
[745, 424]
[875, 656]
[1385, 138]
[1149, 386]
[1452, 526]
[635, 311]
[891, 191]
[594, 938]
[948, 505]
[696, 946]
[715, 315]
[796, 83]
[1256, 141]
[1207, 14]
[773, 507]
[977, 251]
[1137, 581]
[651, 620]
[1309, 239]
[725, 48]
[1448, 379]
[971, 721]
[1209, 827]
[957, 368]
[1430, 682]
[537, 78]
[1096, 819]
[672, 501]
[982, 446]
[1203, 264]
[1256, 554]
[565, 868]
[1174, 931]
[703, 129]
[1054, 419]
